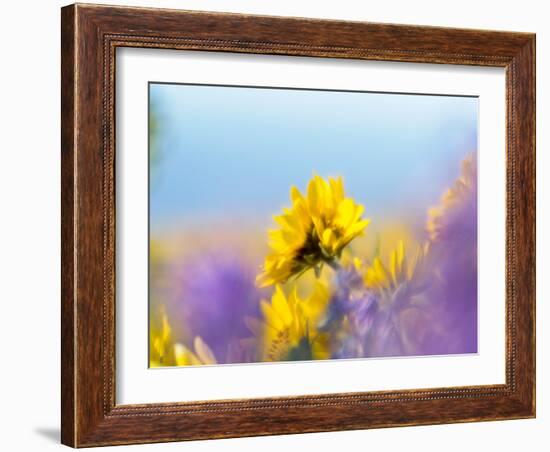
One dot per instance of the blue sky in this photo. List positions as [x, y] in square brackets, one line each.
[234, 152]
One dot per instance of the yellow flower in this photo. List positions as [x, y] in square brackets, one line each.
[313, 231]
[164, 352]
[161, 351]
[289, 327]
[399, 280]
[200, 355]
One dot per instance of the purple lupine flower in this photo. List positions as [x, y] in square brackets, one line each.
[439, 317]
[213, 294]
[452, 229]
[355, 305]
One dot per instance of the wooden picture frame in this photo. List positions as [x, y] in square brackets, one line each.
[90, 36]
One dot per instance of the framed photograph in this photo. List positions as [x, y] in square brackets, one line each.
[280, 225]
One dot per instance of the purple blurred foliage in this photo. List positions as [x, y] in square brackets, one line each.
[350, 315]
[372, 328]
[211, 297]
[447, 321]
[418, 319]
[454, 248]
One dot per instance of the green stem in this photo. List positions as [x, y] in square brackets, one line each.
[335, 265]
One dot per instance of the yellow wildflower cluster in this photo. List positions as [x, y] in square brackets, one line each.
[309, 315]
[312, 232]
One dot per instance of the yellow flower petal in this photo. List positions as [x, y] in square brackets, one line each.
[203, 351]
